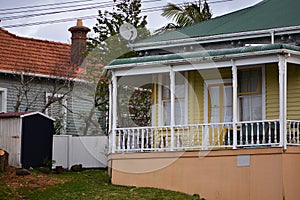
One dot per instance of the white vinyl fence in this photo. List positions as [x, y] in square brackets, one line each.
[90, 151]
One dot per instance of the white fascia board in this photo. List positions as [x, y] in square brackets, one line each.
[216, 38]
[142, 70]
[37, 113]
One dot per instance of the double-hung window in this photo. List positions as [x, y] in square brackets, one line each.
[180, 90]
[3, 96]
[250, 94]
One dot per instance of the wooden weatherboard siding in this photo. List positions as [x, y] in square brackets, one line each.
[293, 94]
[272, 92]
[195, 98]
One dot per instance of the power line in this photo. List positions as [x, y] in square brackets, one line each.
[106, 4]
[43, 5]
[45, 9]
[54, 12]
[151, 9]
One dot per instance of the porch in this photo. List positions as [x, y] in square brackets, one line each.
[224, 124]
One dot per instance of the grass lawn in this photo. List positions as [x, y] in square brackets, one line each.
[89, 184]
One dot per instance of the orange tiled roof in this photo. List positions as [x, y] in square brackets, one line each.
[40, 57]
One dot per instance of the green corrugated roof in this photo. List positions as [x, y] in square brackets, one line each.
[268, 14]
[211, 53]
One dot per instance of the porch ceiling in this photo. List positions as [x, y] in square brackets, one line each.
[211, 55]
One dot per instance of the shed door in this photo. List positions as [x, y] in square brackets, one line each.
[37, 139]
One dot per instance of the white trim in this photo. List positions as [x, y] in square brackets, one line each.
[210, 82]
[234, 102]
[114, 110]
[37, 113]
[208, 62]
[110, 117]
[155, 105]
[172, 92]
[4, 100]
[216, 38]
[186, 97]
[160, 103]
[282, 100]
[263, 91]
[294, 60]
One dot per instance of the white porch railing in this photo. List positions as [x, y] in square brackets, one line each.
[293, 132]
[203, 136]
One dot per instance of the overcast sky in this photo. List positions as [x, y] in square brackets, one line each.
[59, 31]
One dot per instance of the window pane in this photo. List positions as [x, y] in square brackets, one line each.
[254, 82]
[256, 105]
[214, 96]
[251, 107]
[245, 108]
[179, 112]
[227, 114]
[166, 87]
[243, 81]
[179, 85]
[227, 101]
[167, 113]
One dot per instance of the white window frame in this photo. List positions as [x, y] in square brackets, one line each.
[3, 108]
[161, 100]
[263, 91]
[211, 82]
[64, 104]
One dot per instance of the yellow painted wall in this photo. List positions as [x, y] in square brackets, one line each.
[293, 94]
[272, 91]
[196, 91]
[195, 98]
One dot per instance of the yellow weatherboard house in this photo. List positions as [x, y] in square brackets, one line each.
[224, 119]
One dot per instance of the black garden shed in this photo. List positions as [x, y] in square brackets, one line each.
[27, 137]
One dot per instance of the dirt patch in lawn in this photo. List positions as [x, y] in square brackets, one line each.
[35, 180]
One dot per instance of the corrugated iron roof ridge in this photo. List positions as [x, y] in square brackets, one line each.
[214, 26]
[202, 54]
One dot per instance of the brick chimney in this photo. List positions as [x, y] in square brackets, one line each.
[78, 45]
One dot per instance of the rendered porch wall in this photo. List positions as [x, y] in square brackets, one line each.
[272, 174]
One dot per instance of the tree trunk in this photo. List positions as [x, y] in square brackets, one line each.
[3, 160]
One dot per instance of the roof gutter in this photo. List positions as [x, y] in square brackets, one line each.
[217, 38]
[43, 76]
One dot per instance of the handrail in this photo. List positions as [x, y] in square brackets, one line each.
[203, 136]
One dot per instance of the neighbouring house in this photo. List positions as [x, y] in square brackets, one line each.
[46, 76]
[225, 114]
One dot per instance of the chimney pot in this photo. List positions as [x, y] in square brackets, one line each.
[79, 22]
